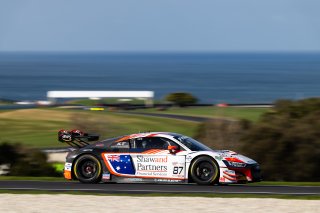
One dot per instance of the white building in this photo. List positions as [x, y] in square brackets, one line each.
[148, 96]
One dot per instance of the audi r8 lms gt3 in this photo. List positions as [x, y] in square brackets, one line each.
[153, 157]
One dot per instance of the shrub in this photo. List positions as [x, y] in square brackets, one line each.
[181, 99]
[286, 141]
[222, 134]
[24, 161]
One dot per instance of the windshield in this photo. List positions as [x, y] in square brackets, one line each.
[192, 144]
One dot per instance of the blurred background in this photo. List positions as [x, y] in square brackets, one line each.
[249, 69]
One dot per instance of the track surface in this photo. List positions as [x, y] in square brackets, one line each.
[173, 116]
[157, 188]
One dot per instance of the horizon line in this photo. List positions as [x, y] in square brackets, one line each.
[157, 52]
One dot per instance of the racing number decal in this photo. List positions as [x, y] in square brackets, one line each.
[178, 165]
[177, 170]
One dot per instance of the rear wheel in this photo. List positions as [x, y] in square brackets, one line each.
[87, 169]
[204, 171]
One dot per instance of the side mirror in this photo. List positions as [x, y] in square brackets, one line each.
[173, 149]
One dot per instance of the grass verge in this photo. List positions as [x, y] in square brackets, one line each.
[39, 127]
[249, 113]
[58, 166]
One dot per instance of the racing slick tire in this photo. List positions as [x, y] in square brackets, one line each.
[87, 169]
[204, 171]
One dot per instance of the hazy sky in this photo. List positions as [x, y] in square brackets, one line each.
[160, 25]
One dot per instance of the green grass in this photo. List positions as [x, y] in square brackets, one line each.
[39, 127]
[88, 102]
[249, 113]
[58, 166]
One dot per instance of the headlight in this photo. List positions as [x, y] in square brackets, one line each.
[236, 164]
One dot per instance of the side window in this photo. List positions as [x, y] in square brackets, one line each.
[142, 144]
[158, 143]
[172, 143]
[139, 143]
[151, 143]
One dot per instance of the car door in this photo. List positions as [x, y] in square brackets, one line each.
[118, 159]
[152, 159]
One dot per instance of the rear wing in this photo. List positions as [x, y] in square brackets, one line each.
[76, 138]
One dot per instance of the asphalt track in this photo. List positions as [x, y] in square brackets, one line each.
[173, 116]
[136, 188]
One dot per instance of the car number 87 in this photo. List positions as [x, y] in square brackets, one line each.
[177, 169]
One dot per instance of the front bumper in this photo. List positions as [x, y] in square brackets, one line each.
[250, 173]
[67, 171]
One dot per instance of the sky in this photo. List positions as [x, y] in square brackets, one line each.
[160, 25]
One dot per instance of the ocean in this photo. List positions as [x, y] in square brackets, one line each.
[242, 78]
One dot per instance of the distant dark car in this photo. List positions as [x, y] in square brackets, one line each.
[153, 157]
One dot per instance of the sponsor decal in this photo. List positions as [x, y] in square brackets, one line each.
[176, 163]
[182, 138]
[67, 166]
[106, 176]
[230, 172]
[134, 179]
[218, 157]
[156, 168]
[188, 158]
[167, 180]
[152, 165]
[66, 137]
[222, 179]
[141, 158]
[122, 143]
[159, 166]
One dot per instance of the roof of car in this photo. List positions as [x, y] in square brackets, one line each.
[146, 134]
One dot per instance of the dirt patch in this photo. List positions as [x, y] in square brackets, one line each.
[10, 203]
[57, 157]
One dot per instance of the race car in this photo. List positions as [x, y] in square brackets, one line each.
[153, 157]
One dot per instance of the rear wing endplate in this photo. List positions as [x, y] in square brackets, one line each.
[76, 138]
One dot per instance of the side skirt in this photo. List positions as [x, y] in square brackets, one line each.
[145, 180]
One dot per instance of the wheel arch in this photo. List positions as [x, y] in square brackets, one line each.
[73, 175]
[195, 158]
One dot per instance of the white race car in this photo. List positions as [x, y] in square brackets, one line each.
[153, 157]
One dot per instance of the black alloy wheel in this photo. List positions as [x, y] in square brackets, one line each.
[87, 169]
[204, 171]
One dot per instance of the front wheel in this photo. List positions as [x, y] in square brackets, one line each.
[87, 169]
[204, 171]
